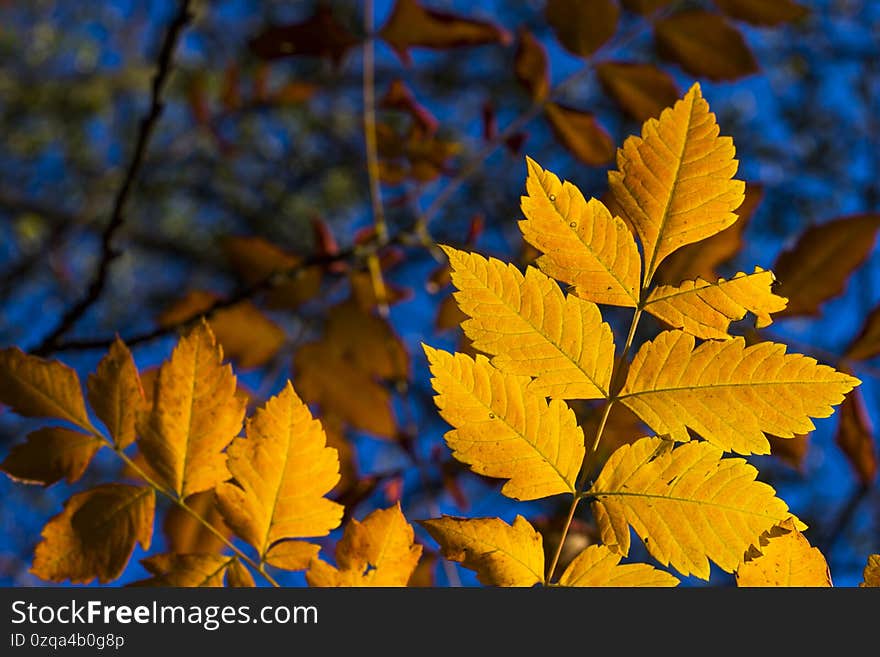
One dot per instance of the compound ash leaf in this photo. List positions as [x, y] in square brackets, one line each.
[819, 264]
[728, 393]
[503, 430]
[701, 259]
[704, 44]
[531, 328]
[582, 27]
[292, 555]
[598, 565]
[706, 309]
[786, 559]
[238, 576]
[49, 454]
[282, 470]
[379, 551]
[116, 394]
[582, 244]
[95, 534]
[855, 437]
[761, 12]
[675, 183]
[412, 25]
[688, 504]
[581, 133]
[871, 573]
[641, 90]
[500, 554]
[185, 570]
[35, 387]
[194, 415]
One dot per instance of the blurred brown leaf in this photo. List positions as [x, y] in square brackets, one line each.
[582, 27]
[763, 12]
[641, 90]
[581, 134]
[320, 35]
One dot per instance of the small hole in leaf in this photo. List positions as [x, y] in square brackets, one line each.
[491, 416]
[573, 224]
[552, 197]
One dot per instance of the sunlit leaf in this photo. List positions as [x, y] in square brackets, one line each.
[599, 566]
[185, 570]
[786, 559]
[115, 393]
[50, 454]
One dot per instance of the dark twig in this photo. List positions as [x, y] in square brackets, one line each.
[108, 252]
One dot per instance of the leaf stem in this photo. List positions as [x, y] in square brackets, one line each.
[565, 528]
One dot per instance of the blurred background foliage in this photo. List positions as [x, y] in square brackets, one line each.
[255, 189]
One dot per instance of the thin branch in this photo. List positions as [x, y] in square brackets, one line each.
[117, 218]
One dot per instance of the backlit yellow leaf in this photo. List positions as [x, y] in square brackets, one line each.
[582, 244]
[35, 387]
[817, 267]
[500, 554]
[95, 534]
[292, 555]
[600, 566]
[282, 471]
[186, 535]
[238, 575]
[185, 570]
[531, 328]
[49, 454]
[503, 430]
[728, 393]
[675, 183]
[706, 309]
[871, 573]
[115, 393]
[379, 551]
[688, 504]
[786, 559]
[195, 414]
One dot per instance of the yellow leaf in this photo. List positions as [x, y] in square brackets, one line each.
[531, 328]
[728, 393]
[704, 44]
[35, 387]
[817, 267]
[600, 566]
[786, 559]
[195, 414]
[582, 244]
[503, 430]
[238, 575]
[282, 470]
[186, 570]
[49, 454]
[95, 534]
[689, 505]
[500, 554]
[115, 393]
[675, 182]
[292, 555]
[379, 551]
[871, 573]
[706, 309]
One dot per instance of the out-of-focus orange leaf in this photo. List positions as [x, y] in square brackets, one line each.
[35, 387]
[623, 427]
[530, 66]
[186, 535]
[115, 393]
[292, 555]
[701, 259]
[247, 335]
[185, 570]
[645, 6]
[320, 35]
[792, 451]
[641, 90]
[449, 315]
[364, 292]
[294, 93]
[762, 12]
[413, 25]
[582, 27]
[817, 267]
[704, 44]
[336, 438]
[95, 534]
[368, 342]
[423, 575]
[49, 454]
[871, 572]
[855, 437]
[581, 134]
[400, 97]
[866, 344]
[414, 154]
